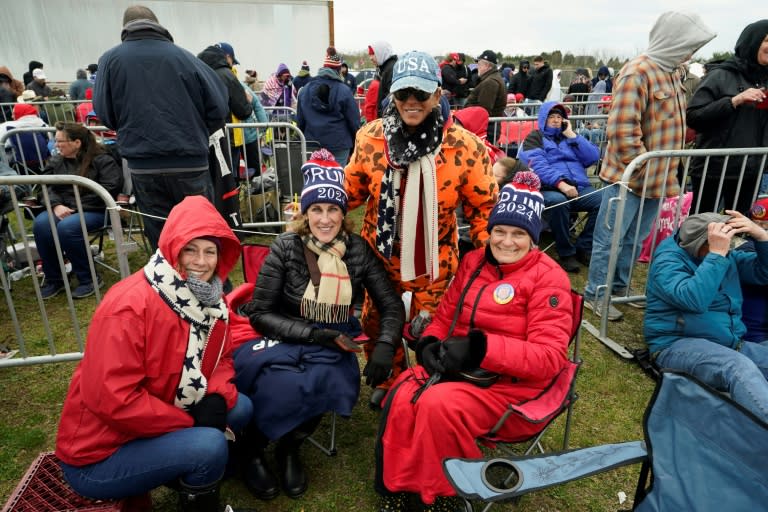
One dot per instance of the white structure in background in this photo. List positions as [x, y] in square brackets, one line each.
[69, 34]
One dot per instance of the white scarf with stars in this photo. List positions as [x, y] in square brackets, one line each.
[205, 322]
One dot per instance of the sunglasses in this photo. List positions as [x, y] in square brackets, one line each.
[404, 94]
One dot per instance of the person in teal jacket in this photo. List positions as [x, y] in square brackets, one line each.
[693, 315]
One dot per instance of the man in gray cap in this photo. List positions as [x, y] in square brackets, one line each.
[693, 316]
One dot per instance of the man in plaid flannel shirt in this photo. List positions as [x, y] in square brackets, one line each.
[647, 114]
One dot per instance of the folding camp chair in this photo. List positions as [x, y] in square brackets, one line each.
[704, 451]
[253, 258]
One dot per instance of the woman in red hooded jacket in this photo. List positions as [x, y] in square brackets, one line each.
[153, 402]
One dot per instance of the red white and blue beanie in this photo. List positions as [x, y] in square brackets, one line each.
[520, 204]
[323, 181]
[759, 210]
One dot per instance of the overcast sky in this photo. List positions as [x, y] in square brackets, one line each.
[597, 27]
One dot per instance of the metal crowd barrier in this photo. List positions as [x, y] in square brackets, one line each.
[44, 341]
[277, 180]
[733, 158]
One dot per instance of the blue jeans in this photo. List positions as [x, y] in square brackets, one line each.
[157, 193]
[601, 243]
[559, 219]
[72, 244]
[196, 455]
[341, 156]
[742, 374]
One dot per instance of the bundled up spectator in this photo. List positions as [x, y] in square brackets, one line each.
[82, 110]
[541, 80]
[455, 76]
[305, 364]
[509, 279]
[79, 155]
[384, 59]
[33, 65]
[92, 69]
[33, 148]
[490, 92]
[370, 110]
[639, 122]
[755, 306]
[560, 157]
[15, 86]
[415, 157]
[38, 85]
[7, 96]
[348, 78]
[302, 78]
[520, 81]
[475, 119]
[167, 155]
[603, 73]
[278, 89]
[693, 319]
[327, 112]
[730, 110]
[579, 88]
[80, 85]
[152, 402]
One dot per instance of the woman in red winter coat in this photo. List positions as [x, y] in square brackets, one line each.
[153, 402]
[509, 280]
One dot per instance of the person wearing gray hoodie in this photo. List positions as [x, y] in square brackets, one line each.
[384, 57]
[647, 114]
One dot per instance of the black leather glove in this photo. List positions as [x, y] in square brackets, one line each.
[332, 338]
[211, 411]
[429, 355]
[464, 352]
[379, 366]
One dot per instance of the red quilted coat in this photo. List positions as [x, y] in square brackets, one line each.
[525, 310]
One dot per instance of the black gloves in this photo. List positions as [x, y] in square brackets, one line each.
[379, 365]
[428, 354]
[464, 352]
[211, 411]
[332, 338]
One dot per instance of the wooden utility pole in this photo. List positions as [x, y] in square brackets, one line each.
[331, 35]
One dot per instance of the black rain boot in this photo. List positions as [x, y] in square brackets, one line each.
[290, 467]
[259, 480]
[204, 498]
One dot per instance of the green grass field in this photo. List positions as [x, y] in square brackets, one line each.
[613, 395]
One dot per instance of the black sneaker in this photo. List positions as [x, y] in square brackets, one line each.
[87, 289]
[570, 264]
[51, 289]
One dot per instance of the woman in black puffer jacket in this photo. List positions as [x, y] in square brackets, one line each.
[306, 364]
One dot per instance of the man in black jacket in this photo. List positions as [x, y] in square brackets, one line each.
[384, 57]
[164, 103]
[520, 81]
[456, 79]
[541, 81]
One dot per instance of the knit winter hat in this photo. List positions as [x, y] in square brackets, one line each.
[323, 181]
[520, 204]
[304, 66]
[694, 231]
[759, 210]
[332, 59]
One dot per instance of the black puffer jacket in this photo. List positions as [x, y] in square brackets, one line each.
[274, 310]
[239, 105]
[385, 82]
[103, 170]
[719, 125]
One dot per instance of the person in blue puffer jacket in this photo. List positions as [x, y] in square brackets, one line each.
[559, 156]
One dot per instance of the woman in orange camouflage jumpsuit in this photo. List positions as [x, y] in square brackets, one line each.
[413, 230]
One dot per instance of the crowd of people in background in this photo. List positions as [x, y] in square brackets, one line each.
[420, 147]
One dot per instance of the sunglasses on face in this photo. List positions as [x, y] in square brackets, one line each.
[404, 94]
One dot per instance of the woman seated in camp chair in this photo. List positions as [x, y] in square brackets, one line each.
[306, 365]
[509, 312]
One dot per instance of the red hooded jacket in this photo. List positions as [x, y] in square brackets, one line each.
[124, 387]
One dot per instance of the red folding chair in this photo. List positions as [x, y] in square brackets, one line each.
[545, 408]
